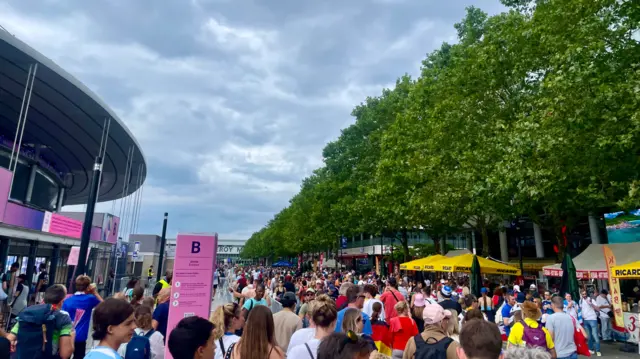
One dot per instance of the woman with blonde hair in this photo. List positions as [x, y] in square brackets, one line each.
[402, 328]
[324, 316]
[453, 328]
[228, 319]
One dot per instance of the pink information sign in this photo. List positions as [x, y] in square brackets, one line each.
[192, 280]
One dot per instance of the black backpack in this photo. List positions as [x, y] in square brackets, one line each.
[432, 348]
[35, 334]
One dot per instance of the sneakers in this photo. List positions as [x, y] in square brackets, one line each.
[599, 354]
[591, 352]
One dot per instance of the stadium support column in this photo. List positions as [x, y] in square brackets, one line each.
[60, 199]
[93, 197]
[163, 243]
[53, 267]
[593, 229]
[31, 262]
[537, 236]
[504, 250]
[32, 174]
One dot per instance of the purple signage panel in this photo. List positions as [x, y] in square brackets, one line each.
[25, 217]
[192, 279]
[110, 227]
[5, 183]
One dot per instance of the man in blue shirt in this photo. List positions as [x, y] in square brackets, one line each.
[506, 312]
[355, 298]
[79, 306]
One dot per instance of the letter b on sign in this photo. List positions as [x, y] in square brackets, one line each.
[195, 247]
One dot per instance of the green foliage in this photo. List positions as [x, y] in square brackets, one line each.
[533, 112]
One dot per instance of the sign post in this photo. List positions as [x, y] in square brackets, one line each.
[192, 281]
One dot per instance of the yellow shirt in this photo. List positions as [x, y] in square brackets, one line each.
[517, 331]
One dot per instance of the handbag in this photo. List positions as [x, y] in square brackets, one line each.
[582, 348]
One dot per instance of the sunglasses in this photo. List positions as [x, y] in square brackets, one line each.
[352, 338]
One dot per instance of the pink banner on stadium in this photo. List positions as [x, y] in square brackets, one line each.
[58, 224]
[192, 281]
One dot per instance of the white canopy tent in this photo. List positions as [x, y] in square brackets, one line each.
[590, 263]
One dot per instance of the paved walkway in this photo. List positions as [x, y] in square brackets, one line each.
[613, 351]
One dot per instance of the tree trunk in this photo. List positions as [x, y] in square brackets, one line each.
[436, 244]
[485, 241]
[405, 245]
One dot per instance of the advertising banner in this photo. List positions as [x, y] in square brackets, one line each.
[64, 226]
[110, 226]
[24, 217]
[5, 183]
[192, 281]
[614, 286]
[74, 255]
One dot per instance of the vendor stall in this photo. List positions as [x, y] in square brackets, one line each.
[462, 264]
[418, 264]
[629, 271]
[590, 264]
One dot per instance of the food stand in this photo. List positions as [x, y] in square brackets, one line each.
[463, 263]
[418, 264]
[631, 318]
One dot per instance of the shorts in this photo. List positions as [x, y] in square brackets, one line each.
[215, 286]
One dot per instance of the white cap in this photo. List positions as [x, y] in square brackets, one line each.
[533, 286]
[516, 288]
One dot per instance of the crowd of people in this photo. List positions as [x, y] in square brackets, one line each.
[319, 315]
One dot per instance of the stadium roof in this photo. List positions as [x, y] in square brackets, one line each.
[67, 118]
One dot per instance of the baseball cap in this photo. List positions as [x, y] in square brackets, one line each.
[442, 281]
[516, 288]
[288, 299]
[433, 314]
[446, 291]
[483, 290]
[310, 290]
[533, 287]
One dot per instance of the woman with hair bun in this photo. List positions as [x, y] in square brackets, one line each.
[324, 316]
[228, 319]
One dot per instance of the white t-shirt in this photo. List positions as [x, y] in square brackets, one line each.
[600, 301]
[256, 275]
[301, 351]
[368, 308]
[227, 340]
[588, 313]
[300, 337]
[215, 277]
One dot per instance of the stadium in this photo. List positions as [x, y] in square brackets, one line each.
[53, 129]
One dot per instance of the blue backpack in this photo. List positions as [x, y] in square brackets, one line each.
[35, 333]
[139, 346]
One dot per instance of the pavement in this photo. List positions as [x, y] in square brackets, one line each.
[612, 350]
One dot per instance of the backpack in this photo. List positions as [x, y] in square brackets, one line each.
[534, 337]
[139, 346]
[432, 348]
[35, 334]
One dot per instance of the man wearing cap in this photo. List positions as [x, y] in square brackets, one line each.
[435, 323]
[309, 295]
[286, 322]
[447, 302]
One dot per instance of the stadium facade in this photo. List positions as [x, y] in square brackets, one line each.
[52, 130]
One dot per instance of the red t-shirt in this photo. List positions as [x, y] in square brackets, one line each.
[402, 329]
[341, 302]
[390, 299]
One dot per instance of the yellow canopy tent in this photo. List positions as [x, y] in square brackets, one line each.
[418, 264]
[463, 263]
[627, 271]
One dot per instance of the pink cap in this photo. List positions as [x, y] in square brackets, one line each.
[433, 314]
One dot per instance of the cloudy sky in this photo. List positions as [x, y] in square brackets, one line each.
[233, 100]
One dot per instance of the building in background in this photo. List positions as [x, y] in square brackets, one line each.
[51, 129]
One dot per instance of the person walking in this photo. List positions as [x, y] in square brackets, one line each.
[227, 319]
[561, 327]
[258, 337]
[286, 322]
[604, 305]
[324, 316]
[589, 310]
[192, 338]
[402, 328]
[355, 298]
[113, 325]
[434, 337]
[480, 339]
[390, 298]
[80, 306]
[528, 332]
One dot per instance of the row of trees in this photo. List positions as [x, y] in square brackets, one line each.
[534, 112]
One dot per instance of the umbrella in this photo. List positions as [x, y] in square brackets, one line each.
[476, 277]
[569, 283]
[463, 264]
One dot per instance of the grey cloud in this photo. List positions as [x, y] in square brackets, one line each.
[233, 101]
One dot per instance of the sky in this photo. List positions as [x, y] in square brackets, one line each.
[232, 101]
